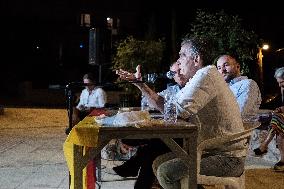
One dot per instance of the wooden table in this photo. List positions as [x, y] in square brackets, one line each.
[104, 134]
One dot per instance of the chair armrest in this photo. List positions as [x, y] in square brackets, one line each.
[219, 142]
[229, 139]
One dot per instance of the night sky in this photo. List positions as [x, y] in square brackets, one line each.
[26, 25]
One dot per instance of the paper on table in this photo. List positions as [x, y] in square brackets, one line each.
[124, 119]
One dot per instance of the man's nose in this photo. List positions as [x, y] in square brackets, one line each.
[223, 70]
[178, 71]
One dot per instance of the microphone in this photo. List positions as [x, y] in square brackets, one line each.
[171, 74]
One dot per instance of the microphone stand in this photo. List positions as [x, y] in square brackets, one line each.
[70, 100]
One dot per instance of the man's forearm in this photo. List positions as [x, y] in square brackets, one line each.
[154, 99]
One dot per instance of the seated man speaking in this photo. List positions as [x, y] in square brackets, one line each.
[207, 95]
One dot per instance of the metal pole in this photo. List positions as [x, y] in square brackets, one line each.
[69, 109]
[100, 73]
[260, 66]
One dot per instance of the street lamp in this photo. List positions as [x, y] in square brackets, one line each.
[259, 61]
[260, 55]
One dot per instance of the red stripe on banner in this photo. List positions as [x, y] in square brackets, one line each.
[91, 175]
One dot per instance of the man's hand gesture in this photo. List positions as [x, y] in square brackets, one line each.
[128, 76]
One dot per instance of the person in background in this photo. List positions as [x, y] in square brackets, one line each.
[178, 78]
[147, 150]
[206, 95]
[245, 90]
[155, 99]
[91, 97]
[276, 127]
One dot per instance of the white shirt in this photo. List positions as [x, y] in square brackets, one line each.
[175, 88]
[97, 98]
[247, 93]
[208, 96]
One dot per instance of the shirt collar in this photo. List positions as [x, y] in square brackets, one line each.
[237, 79]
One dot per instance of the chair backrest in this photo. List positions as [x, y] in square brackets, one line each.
[219, 142]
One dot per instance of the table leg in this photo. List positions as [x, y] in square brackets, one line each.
[98, 160]
[94, 154]
[191, 148]
[188, 155]
[78, 168]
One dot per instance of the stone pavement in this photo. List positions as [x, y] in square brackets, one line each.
[31, 154]
[31, 151]
[32, 158]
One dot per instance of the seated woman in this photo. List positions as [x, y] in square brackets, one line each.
[277, 126]
[91, 97]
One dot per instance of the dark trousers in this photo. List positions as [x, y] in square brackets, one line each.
[146, 153]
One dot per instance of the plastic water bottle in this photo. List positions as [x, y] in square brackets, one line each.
[170, 110]
[144, 103]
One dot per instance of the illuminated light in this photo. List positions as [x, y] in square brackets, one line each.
[81, 46]
[265, 47]
[37, 47]
[85, 20]
[281, 49]
[109, 22]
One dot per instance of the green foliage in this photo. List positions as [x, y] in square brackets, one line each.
[228, 34]
[131, 52]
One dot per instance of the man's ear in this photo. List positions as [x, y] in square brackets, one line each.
[196, 61]
[238, 66]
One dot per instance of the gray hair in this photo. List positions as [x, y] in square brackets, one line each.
[193, 51]
[200, 46]
[279, 73]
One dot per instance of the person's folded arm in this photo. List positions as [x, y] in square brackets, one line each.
[154, 100]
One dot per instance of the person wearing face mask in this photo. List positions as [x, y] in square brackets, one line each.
[245, 90]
